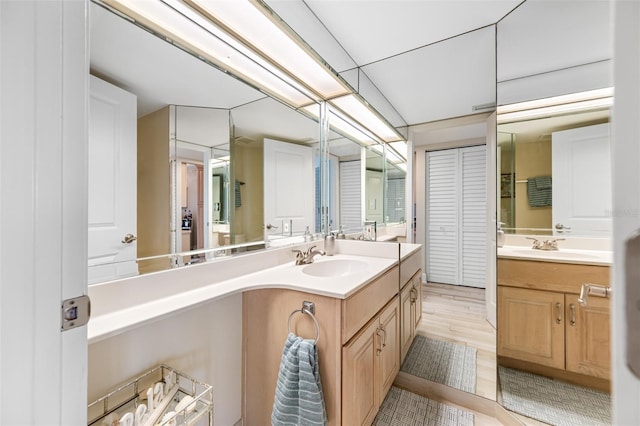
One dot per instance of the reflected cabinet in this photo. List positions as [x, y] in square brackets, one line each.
[543, 328]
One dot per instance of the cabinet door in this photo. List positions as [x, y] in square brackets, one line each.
[588, 336]
[407, 308]
[389, 357]
[359, 377]
[417, 284]
[531, 326]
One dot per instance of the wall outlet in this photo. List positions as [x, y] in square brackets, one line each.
[286, 227]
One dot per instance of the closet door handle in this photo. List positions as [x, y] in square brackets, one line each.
[559, 312]
[572, 308]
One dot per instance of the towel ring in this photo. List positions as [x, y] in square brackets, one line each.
[305, 310]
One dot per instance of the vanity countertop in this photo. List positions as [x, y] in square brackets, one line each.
[347, 275]
[407, 249]
[575, 256]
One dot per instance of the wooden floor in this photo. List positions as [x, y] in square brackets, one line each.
[457, 314]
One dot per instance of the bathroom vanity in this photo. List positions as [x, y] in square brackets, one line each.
[359, 339]
[542, 327]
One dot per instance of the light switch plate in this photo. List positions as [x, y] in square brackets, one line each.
[632, 277]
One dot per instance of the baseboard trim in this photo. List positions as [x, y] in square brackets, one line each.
[455, 397]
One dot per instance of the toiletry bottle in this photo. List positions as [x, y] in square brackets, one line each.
[500, 235]
[329, 244]
[341, 234]
[307, 235]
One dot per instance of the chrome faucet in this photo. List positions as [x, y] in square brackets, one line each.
[546, 244]
[305, 257]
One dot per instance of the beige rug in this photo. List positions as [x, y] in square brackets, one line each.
[402, 408]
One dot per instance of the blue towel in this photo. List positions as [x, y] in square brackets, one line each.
[539, 191]
[299, 399]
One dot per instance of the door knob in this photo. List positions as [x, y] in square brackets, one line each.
[269, 226]
[129, 238]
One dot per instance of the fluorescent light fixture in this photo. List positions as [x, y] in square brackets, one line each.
[554, 110]
[565, 104]
[400, 148]
[358, 111]
[251, 22]
[345, 125]
[189, 30]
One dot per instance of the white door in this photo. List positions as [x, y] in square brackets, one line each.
[350, 194]
[581, 173]
[288, 169]
[112, 182]
[44, 77]
[626, 201]
[456, 240]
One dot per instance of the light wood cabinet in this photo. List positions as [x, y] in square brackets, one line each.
[531, 326]
[370, 364]
[542, 323]
[411, 309]
[588, 336]
[358, 348]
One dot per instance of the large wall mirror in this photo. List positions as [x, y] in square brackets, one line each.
[554, 183]
[199, 164]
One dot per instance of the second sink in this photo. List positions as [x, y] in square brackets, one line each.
[334, 268]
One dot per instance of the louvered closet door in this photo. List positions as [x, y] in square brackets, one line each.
[442, 216]
[473, 216]
[456, 216]
[350, 194]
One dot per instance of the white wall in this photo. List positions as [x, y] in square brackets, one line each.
[204, 342]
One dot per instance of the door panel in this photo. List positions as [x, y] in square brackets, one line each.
[112, 182]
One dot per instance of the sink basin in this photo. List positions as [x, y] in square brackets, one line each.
[334, 268]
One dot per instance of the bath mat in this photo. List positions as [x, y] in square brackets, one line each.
[401, 408]
[442, 362]
[551, 401]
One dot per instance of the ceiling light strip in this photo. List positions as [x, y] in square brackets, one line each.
[356, 108]
[557, 100]
[547, 111]
[207, 42]
[258, 27]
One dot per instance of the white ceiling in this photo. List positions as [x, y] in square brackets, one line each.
[415, 61]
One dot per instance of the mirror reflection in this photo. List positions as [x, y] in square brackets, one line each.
[214, 167]
[555, 175]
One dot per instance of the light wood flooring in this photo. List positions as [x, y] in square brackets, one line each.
[457, 314]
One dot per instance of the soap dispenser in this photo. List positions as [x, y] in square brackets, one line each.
[500, 235]
[329, 244]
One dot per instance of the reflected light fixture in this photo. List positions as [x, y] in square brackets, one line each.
[345, 125]
[565, 104]
[186, 28]
[246, 38]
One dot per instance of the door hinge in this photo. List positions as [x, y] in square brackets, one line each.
[75, 312]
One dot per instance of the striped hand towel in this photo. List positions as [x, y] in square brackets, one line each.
[299, 399]
[539, 191]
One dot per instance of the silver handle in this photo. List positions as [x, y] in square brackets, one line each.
[378, 349]
[128, 239]
[572, 308]
[413, 295]
[589, 289]
[384, 336]
[269, 226]
[559, 311]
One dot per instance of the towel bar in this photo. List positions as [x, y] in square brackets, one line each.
[307, 308]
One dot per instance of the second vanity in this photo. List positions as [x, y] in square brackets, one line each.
[542, 326]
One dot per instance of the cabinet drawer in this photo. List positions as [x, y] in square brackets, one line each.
[409, 266]
[362, 306]
[560, 277]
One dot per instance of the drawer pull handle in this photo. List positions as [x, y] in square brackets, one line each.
[572, 308]
[589, 289]
[379, 348]
[559, 312]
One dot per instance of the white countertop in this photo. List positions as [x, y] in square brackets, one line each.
[575, 256]
[286, 276]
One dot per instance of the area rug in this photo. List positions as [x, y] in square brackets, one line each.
[442, 362]
[551, 401]
[402, 408]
